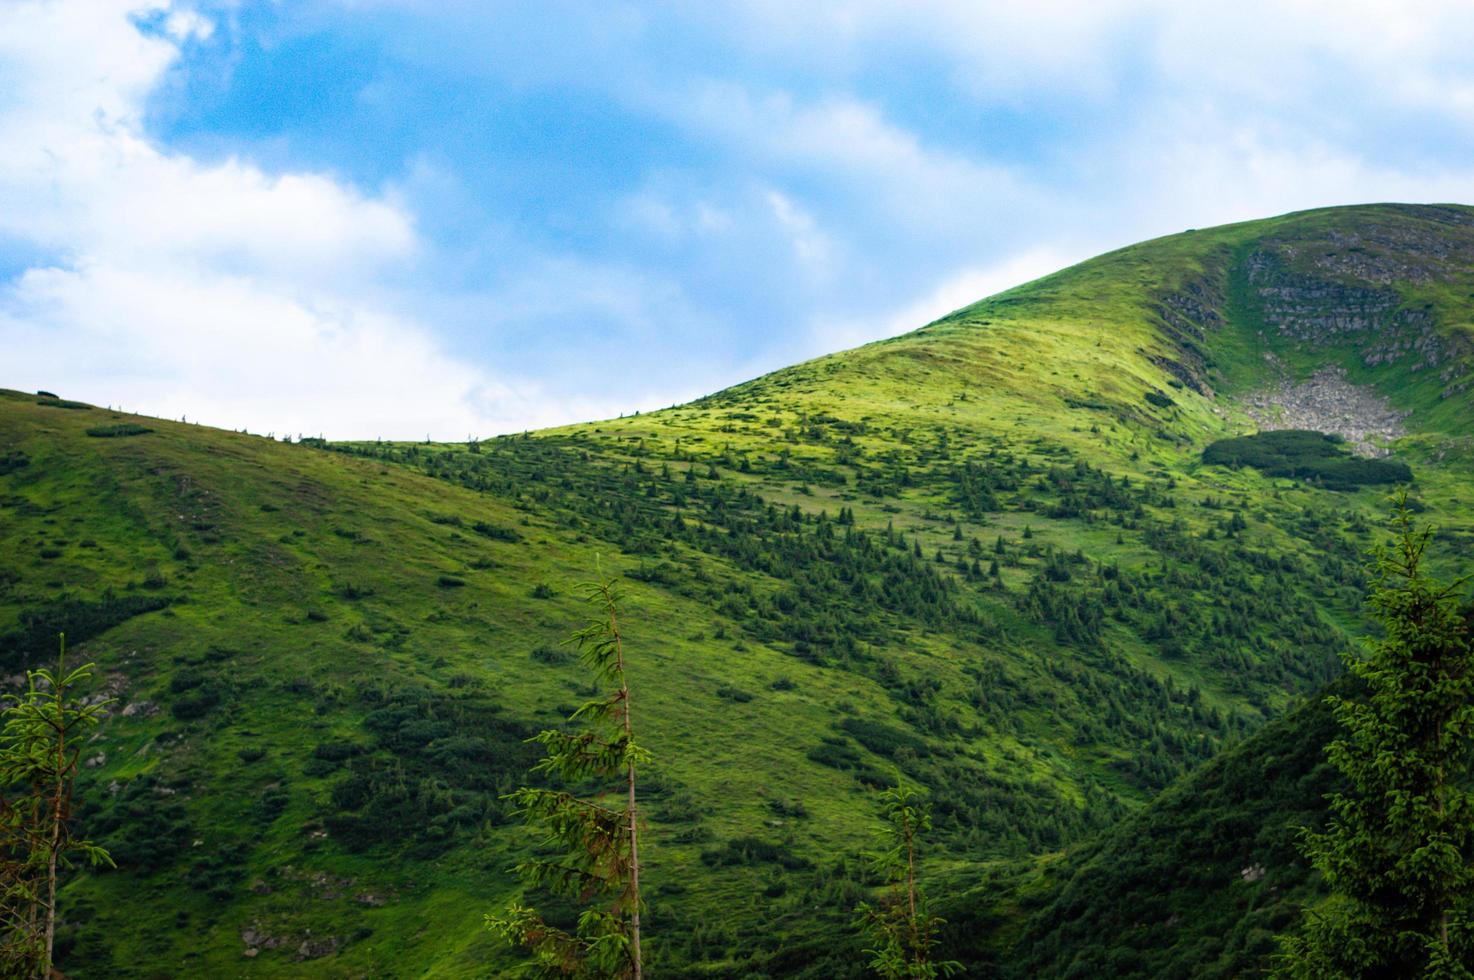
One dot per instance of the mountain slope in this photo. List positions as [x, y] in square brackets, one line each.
[985, 557]
[1195, 884]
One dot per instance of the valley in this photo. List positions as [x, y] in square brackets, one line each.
[986, 558]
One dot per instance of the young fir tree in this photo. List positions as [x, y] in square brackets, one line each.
[599, 837]
[40, 742]
[1398, 846]
[903, 932]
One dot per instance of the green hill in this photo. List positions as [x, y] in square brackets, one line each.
[1197, 884]
[987, 557]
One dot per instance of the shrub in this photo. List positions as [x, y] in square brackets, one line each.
[271, 803]
[836, 754]
[450, 582]
[548, 654]
[12, 461]
[789, 808]
[881, 738]
[1159, 399]
[197, 705]
[743, 851]
[495, 532]
[336, 750]
[118, 430]
[188, 679]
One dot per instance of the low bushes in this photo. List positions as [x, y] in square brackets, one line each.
[119, 430]
[1304, 455]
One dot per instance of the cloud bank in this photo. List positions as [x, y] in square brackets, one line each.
[389, 218]
[213, 291]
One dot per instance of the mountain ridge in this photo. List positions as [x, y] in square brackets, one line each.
[986, 557]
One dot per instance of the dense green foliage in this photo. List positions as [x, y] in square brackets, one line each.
[77, 618]
[1301, 455]
[40, 748]
[1396, 852]
[977, 555]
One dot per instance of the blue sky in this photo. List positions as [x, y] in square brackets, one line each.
[399, 218]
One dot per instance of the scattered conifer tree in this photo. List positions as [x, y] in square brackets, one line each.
[600, 839]
[1398, 850]
[902, 930]
[40, 741]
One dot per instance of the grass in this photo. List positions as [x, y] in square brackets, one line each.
[308, 585]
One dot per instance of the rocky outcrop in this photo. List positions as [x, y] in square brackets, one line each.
[1316, 311]
[1320, 312]
[1189, 317]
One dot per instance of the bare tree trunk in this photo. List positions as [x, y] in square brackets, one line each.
[917, 950]
[634, 870]
[58, 817]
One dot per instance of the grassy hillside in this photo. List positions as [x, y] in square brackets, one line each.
[986, 557]
[1197, 884]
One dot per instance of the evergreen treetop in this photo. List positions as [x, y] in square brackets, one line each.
[1397, 849]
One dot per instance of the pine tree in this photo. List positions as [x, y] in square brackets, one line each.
[40, 743]
[600, 840]
[1397, 849]
[903, 931]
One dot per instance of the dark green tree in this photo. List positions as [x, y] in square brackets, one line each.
[1397, 848]
[902, 931]
[599, 838]
[40, 743]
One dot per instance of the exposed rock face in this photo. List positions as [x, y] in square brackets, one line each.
[1334, 288]
[1327, 402]
[1320, 311]
[1340, 290]
[1189, 316]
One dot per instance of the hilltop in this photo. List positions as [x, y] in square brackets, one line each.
[987, 557]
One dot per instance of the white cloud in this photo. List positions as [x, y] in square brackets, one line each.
[999, 48]
[850, 142]
[1205, 169]
[219, 291]
[810, 246]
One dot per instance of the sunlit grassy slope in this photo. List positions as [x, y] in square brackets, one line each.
[976, 557]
